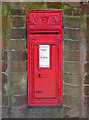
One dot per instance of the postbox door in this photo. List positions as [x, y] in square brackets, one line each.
[45, 71]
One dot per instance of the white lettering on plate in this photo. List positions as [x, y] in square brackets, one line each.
[44, 56]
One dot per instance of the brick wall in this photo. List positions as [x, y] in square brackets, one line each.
[14, 61]
[19, 61]
[71, 57]
[4, 64]
[86, 81]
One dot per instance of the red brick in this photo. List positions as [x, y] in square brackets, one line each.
[71, 34]
[5, 55]
[86, 67]
[3, 89]
[0, 77]
[4, 66]
[87, 44]
[71, 45]
[17, 12]
[87, 57]
[86, 31]
[71, 56]
[87, 111]
[88, 22]
[86, 102]
[18, 56]
[0, 55]
[18, 21]
[4, 100]
[71, 79]
[86, 81]
[88, 38]
[4, 78]
[5, 112]
[88, 7]
[71, 22]
[18, 66]
[4, 21]
[4, 44]
[0, 66]
[0, 44]
[84, 9]
[0, 21]
[4, 33]
[18, 33]
[71, 67]
[18, 44]
[86, 90]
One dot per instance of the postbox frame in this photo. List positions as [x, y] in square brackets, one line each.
[31, 41]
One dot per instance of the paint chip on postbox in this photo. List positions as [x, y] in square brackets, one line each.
[44, 56]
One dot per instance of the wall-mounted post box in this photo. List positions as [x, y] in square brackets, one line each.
[44, 41]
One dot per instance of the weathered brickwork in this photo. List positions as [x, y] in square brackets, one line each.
[71, 45]
[86, 81]
[14, 61]
[18, 55]
[18, 33]
[4, 65]
[18, 45]
[71, 57]
[18, 22]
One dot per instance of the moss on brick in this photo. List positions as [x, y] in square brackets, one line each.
[71, 67]
[15, 5]
[13, 100]
[71, 90]
[71, 101]
[71, 55]
[18, 89]
[6, 36]
[17, 12]
[71, 79]
[34, 5]
[19, 77]
[84, 19]
[5, 9]
[54, 5]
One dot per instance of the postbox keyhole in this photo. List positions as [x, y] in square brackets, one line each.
[39, 75]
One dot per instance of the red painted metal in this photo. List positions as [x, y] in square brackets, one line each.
[44, 84]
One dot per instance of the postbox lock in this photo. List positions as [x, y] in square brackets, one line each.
[39, 75]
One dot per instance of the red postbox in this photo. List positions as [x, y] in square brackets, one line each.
[44, 41]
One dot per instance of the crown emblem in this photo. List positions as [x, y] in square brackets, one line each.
[44, 19]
